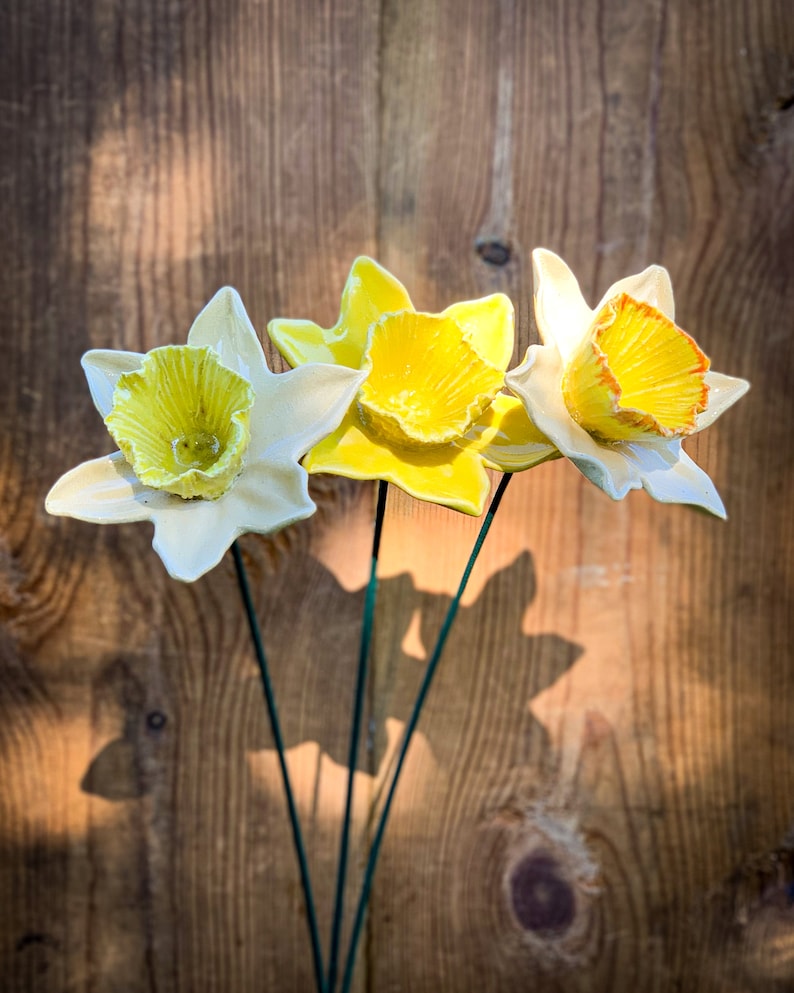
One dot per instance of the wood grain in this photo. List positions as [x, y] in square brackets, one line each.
[599, 795]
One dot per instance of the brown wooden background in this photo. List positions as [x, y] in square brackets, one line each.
[613, 720]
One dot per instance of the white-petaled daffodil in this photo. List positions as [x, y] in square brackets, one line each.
[616, 388]
[209, 439]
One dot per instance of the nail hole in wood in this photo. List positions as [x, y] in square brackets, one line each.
[155, 720]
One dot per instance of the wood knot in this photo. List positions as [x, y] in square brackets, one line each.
[493, 251]
[549, 883]
[543, 900]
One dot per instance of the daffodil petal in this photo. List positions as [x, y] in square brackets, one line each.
[448, 476]
[224, 326]
[724, 391]
[369, 293]
[561, 313]
[311, 401]
[269, 496]
[670, 476]
[537, 382]
[188, 558]
[488, 324]
[652, 286]
[105, 491]
[103, 367]
[506, 439]
[304, 341]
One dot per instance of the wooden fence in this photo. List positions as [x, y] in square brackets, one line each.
[600, 796]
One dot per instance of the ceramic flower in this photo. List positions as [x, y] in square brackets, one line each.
[209, 439]
[426, 410]
[617, 388]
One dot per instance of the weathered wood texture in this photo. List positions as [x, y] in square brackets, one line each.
[612, 726]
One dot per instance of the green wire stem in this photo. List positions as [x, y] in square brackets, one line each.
[408, 733]
[355, 733]
[270, 700]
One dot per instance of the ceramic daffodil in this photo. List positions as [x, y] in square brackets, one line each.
[426, 410]
[209, 439]
[618, 387]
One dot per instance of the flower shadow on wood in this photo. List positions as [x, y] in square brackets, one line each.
[489, 672]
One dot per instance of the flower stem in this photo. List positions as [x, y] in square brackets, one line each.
[270, 700]
[355, 733]
[408, 734]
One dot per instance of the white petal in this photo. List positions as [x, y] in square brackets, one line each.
[104, 491]
[225, 326]
[537, 381]
[652, 286]
[267, 497]
[561, 313]
[724, 391]
[301, 407]
[271, 495]
[102, 368]
[192, 538]
[670, 476]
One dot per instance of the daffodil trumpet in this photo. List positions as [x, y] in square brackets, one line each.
[431, 402]
[617, 388]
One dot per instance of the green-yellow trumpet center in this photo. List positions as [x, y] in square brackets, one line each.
[427, 385]
[636, 375]
[182, 421]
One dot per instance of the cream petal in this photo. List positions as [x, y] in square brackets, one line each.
[670, 476]
[267, 497]
[271, 495]
[105, 491]
[225, 326]
[102, 367]
[299, 408]
[561, 313]
[537, 382]
[652, 286]
[724, 391]
[189, 547]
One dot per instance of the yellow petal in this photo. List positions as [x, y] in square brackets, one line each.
[427, 385]
[506, 438]
[369, 293]
[636, 375]
[448, 476]
[489, 325]
[181, 421]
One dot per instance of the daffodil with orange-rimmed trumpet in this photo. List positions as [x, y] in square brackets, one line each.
[615, 389]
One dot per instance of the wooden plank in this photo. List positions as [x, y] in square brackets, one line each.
[602, 748]
[155, 152]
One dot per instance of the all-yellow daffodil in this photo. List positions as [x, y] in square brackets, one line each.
[425, 413]
[209, 439]
[618, 387]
